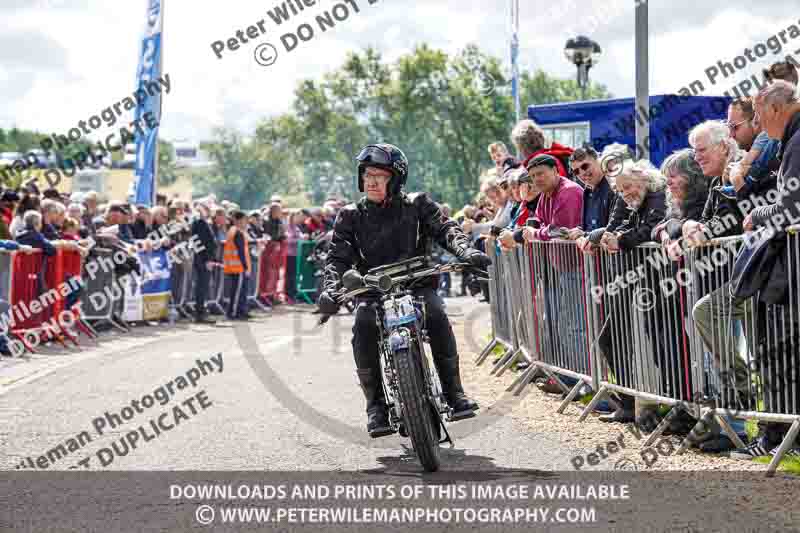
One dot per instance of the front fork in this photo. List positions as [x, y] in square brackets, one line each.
[399, 339]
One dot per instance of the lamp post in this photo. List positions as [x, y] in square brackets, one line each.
[584, 53]
[515, 56]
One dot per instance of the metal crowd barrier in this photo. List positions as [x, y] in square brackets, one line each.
[261, 262]
[32, 303]
[644, 333]
[37, 294]
[500, 309]
[757, 375]
[102, 281]
[6, 287]
[555, 304]
[506, 299]
[216, 288]
[66, 265]
[27, 277]
[519, 310]
[256, 251]
[305, 280]
[624, 323]
[181, 282]
[45, 276]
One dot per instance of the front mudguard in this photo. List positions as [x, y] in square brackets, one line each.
[399, 339]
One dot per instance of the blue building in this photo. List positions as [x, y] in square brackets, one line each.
[602, 122]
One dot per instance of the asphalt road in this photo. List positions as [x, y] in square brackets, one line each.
[274, 394]
[287, 399]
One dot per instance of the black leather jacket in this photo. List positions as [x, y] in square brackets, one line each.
[368, 235]
[639, 225]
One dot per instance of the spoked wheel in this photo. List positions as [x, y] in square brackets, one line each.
[421, 423]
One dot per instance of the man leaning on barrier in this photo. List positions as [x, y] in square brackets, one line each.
[715, 150]
[559, 207]
[599, 197]
[529, 196]
[777, 109]
[642, 189]
[611, 162]
[757, 171]
[689, 185]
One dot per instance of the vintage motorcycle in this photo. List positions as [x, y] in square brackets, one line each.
[416, 404]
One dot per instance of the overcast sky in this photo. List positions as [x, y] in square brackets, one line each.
[62, 61]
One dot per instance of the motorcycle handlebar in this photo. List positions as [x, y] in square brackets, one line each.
[386, 283]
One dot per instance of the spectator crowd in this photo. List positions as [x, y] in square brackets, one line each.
[597, 197]
[224, 238]
[738, 176]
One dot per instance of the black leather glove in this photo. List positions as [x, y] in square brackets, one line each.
[478, 259]
[326, 304]
[594, 236]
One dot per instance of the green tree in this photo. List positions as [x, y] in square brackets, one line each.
[541, 88]
[441, 110]
[167, 169]
[246, 172]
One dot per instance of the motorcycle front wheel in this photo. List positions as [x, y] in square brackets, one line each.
[420, 421]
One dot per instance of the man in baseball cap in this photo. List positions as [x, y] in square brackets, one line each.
[561, 204]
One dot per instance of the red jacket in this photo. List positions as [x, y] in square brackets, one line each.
[7, 215]
[313, 226]
[562, 208]
[558, 151]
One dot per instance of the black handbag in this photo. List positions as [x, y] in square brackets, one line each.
[760, 265]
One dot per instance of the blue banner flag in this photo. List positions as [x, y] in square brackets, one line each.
[148, 101]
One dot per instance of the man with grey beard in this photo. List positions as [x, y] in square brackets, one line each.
[642, 188]
[777, 109]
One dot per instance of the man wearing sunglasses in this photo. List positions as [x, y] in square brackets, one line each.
[754, 173]
[598, 196]
[385, 227]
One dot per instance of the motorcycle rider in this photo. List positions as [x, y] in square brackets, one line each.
[385, 227]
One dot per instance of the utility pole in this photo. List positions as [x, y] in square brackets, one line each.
[642, 78]
[515, 56]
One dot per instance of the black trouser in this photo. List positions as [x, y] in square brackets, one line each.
[615, 364]
[366, 338]
[661, 316]
[201, 284]
[664, 326]
[236, 289]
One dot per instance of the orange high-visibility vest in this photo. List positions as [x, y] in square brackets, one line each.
[230, 256]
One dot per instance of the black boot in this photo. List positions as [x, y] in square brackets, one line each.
[377, 416]
[449, 375]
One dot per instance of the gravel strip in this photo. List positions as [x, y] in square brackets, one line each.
[538, 412]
